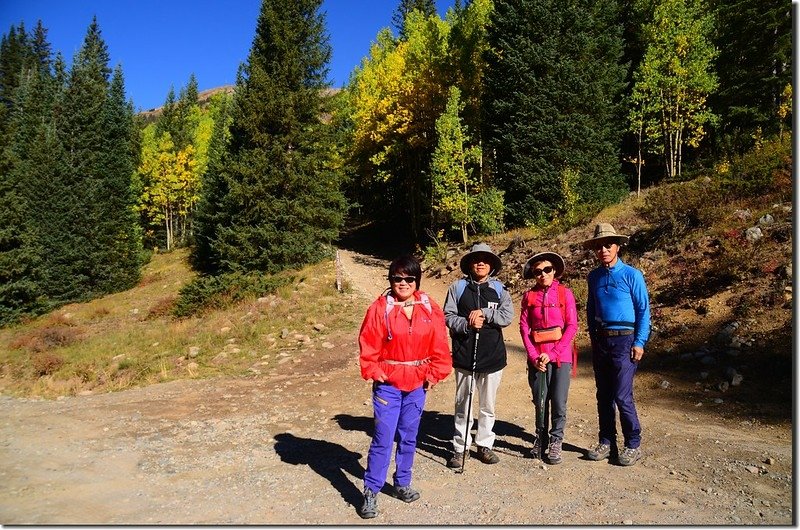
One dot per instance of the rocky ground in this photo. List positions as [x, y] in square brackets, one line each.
[289, 446]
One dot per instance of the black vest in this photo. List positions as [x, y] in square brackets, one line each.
[491, 352]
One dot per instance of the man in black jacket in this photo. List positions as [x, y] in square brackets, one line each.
[476, 309]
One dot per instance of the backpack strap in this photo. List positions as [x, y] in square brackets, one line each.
[390, 303]
[496, 284]
[460, 286]
[562, 302]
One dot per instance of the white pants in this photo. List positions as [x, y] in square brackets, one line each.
[485, 386]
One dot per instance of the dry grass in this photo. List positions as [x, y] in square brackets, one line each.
[130, 338]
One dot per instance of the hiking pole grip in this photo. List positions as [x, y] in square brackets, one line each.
[468, 424]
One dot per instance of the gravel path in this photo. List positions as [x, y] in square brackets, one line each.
[289, 447]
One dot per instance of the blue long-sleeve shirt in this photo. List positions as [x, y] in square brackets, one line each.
[618, 295]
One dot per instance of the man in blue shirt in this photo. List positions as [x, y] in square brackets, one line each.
[618, 317]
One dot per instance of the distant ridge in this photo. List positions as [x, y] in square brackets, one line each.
[202, 98]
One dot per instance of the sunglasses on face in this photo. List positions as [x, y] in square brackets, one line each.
[601, 246]
[543, 271]
[399, 279]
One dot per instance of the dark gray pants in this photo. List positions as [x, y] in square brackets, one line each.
[555, 410]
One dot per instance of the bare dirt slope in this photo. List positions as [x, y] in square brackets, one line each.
[289, 447]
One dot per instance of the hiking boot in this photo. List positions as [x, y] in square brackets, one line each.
[536, 451]
[600, 451]
[554, 452]
[456, 460]
[369, 509]
[629, 456]
[406, 493]
[487, 456]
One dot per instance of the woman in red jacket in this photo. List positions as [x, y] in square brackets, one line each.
[404, 351]
[548, 324]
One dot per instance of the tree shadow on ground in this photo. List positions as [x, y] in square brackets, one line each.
[329, 460]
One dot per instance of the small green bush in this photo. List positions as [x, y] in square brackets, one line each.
[765, 168]
[221, 291]
[436, 251]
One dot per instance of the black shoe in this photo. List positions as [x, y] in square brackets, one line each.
[369, 509]
[406, 493]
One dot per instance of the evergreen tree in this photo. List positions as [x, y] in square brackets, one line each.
[552, 95]
[185, 120]
[27, 161]
[14, 53]
[282, 200]
[26, 189]
[89, 242]
[426, 7]
[214, 188]
[754, 65]
[166, 122]
[118, 239]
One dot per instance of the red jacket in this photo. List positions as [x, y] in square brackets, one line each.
[540, 309]
[424, 338]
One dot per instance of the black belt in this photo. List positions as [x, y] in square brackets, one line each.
[615, 332]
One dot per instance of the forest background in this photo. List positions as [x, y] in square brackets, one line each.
[501, 115]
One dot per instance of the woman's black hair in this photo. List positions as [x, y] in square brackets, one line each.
[406, 264]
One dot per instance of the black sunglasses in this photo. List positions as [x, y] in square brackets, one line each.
[541, 272]
[601, 246]
[407, 279]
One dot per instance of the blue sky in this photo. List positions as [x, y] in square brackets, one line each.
[160, 43]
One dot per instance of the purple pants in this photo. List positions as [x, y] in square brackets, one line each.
[613, 376]
[397, 416]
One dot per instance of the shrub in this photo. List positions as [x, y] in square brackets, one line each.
[677, 209]
[765, 168]
[45, 363]
[221, 291]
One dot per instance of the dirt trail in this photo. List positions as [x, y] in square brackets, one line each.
[289, 447]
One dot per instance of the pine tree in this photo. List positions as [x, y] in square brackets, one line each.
[552, 95]
[27, 162]
[26, 189]
[119, 237]
[754, 39]
[282, 199]
[89, 243]
[215, 187]
[426, 7]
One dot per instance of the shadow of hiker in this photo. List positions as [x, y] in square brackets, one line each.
[329, 460]
[435, 437]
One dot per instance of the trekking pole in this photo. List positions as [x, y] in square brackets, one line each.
[469, 403]
[540, 417]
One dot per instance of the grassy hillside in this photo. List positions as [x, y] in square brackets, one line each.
[130, 338]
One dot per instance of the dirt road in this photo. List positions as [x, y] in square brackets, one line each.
[289, 447]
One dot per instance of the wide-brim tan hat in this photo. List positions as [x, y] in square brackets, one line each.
[481, 248]
[605, 232]
[552, 257]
